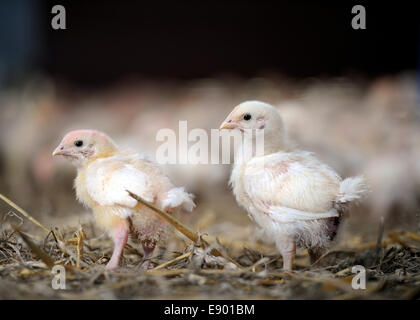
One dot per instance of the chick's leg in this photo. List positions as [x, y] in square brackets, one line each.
[120, 236]
[148, 248]
[287, 248]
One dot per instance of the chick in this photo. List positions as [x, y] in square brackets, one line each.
[104, 174]
[290, 194]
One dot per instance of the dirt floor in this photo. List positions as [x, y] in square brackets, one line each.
[246, 269]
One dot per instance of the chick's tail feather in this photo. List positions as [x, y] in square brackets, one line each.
[178, 197]
[352, 190]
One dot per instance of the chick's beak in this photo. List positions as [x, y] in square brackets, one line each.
[229, 124]
[59, 151]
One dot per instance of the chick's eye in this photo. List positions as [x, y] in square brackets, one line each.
[78, 143]
[247, 117]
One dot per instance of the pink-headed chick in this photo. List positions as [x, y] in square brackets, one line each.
[104, 174]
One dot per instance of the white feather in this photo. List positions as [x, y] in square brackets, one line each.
[284, 215]
[177, 197]
[295, 180]
[108, 179]
[352, 189]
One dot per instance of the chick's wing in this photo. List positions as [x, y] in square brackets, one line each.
[109, 179]
[291, 185]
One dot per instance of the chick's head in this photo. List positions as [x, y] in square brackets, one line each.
[253, 115]
[82, 146]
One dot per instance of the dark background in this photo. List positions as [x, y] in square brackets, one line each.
[106, 41]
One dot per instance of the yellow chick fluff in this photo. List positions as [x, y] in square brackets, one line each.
[104, 174]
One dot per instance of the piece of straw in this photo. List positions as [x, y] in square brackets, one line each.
[35, 249]
[193, 236]
[168, 263]
[79, 247]
[23, 212]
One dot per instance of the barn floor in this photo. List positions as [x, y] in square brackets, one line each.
[250, 269]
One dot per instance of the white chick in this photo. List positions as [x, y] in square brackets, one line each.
[290, 194]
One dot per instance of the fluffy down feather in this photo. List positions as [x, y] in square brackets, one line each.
[292, 186]
[178, 197]
[352, 189]
[108, 179]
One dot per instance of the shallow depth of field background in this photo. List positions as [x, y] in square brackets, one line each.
[356, 126]
[349, 96]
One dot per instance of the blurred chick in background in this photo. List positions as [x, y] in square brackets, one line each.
[291, 195]
[104, 174]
